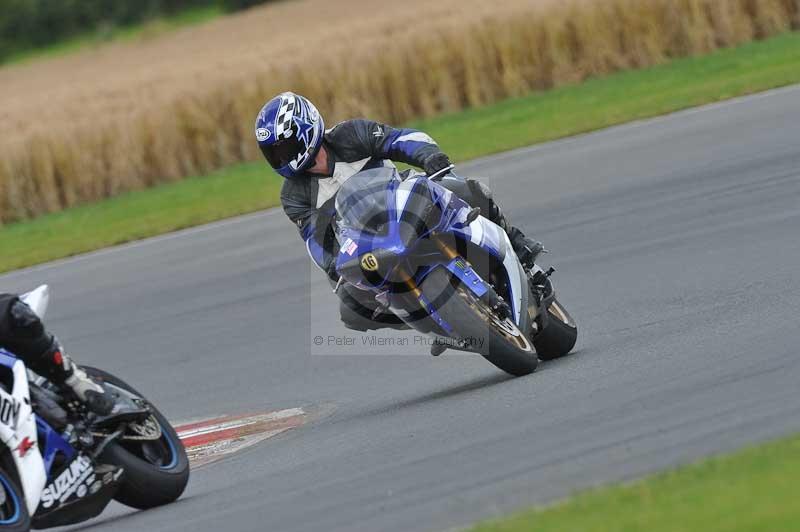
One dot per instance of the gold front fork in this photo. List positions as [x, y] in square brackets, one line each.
[446, 250]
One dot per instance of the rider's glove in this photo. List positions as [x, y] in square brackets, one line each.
[436, 162]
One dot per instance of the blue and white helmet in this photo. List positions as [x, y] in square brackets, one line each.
[289, 130]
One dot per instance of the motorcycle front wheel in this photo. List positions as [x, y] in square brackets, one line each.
[156, 471]
[475, 324]
[14, 515]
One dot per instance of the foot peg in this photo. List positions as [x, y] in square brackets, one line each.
[438, 348]
[530, 252]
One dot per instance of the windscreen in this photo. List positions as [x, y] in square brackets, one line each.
[362, 203]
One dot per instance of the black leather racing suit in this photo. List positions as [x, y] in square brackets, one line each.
[353, 146]
[23, 334]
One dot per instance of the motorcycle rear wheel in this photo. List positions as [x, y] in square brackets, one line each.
[498, 341]
[560, 335]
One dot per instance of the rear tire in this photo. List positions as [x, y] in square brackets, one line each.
[560, 335]
[14, 515]
[506, 347]
[146, 484]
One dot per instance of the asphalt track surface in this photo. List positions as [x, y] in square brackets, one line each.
[677, 243]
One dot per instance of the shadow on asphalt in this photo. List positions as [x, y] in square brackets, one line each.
[101, 523]
[443, 393]
[572, 357]
[464, 388]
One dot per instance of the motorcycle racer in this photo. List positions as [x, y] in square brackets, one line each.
[316, 162]
[24, 334]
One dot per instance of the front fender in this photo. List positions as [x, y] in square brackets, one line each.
[469, 277]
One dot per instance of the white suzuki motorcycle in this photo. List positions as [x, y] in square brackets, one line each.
[60, 464]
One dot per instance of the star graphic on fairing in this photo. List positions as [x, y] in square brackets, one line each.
[25, 445]
[304, 130]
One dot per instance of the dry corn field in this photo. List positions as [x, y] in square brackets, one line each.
[131, 115]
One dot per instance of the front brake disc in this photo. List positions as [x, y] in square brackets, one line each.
[149, 429]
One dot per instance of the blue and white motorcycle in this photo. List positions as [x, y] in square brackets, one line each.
[60, 464]
[446, 271]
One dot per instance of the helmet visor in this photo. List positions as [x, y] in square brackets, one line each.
[282, 152]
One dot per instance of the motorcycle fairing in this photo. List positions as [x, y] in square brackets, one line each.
[491, 238]
[54, 444]
[409, 211]
[18, 430]
[34, 446]
[80, 491]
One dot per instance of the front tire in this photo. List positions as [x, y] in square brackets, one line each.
[560, 335]
[14, 515]
[501, 342]
[156, 472]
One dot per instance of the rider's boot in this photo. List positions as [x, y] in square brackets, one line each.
[59, 368]
[527, 249]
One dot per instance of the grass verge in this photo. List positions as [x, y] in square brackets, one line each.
[144, 30]
[136, 215]
[518, 122]
[751, 490]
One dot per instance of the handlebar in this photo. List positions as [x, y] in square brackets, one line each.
[441, 173]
